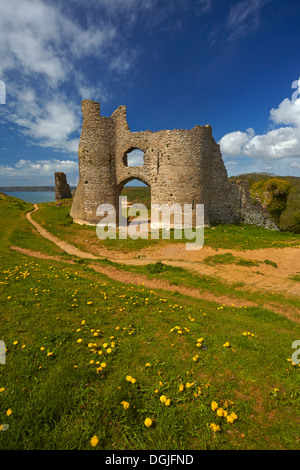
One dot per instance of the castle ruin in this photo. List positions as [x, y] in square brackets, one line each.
[180, 166]
[62, 189]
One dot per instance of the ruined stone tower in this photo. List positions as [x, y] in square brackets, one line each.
[62, 189]
[180, 166]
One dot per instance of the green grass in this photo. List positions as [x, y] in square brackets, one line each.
[56, 219]
[228, 258]
[59, 398]
[178, 276]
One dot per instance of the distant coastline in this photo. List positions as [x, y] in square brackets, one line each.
[43, 189]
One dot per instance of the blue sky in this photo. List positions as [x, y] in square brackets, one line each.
[174, 63]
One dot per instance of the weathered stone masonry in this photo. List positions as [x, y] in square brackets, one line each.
[62, 189]
[180, 166]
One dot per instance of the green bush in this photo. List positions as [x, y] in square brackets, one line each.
[290, 217]
[273, 195]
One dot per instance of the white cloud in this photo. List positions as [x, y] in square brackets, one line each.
[232, 143]
[40, 49]
[281, 144]
[38, 39]
[47, 123]
[37, 171]
[243, 18]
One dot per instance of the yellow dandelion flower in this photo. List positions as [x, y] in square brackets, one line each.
[125, 404]
[214, 405]
[79, 340]
[103, 364]
[221, 412]
[108, 350]
[94, 441]
[9, 412]
[148, 422]
[2, 389]
[163, 398]
[226, 345]
[167, 402]
[128, 378]
[42, 348]
[133, 381]
[214, 427]
[181, 387]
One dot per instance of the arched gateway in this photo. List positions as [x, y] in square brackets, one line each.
[180, 166]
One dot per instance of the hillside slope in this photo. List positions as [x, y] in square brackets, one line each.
[280, 195]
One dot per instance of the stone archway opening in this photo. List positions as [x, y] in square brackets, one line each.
[136, 192]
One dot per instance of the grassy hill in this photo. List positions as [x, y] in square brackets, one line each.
[280, 195]
[95, 362]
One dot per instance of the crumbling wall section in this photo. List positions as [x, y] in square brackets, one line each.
[62, 189]
[251, 211]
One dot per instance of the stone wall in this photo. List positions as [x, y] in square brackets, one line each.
[180, 166]
[62, 189]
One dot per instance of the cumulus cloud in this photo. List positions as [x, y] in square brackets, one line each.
[35, 171]
[278, 144]
[40, 49]
[37, 39]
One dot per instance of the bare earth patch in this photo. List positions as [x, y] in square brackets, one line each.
[255, 278]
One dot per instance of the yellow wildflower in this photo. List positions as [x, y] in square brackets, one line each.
[94, 441]
[125, 404]
[214, 427]
[148, 422]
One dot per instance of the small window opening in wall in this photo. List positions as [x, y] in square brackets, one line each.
[85, 182]
[134, 157]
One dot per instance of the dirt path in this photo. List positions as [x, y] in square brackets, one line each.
[70, 249]
[257, 278]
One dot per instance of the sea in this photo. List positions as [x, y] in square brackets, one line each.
[33, 196]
